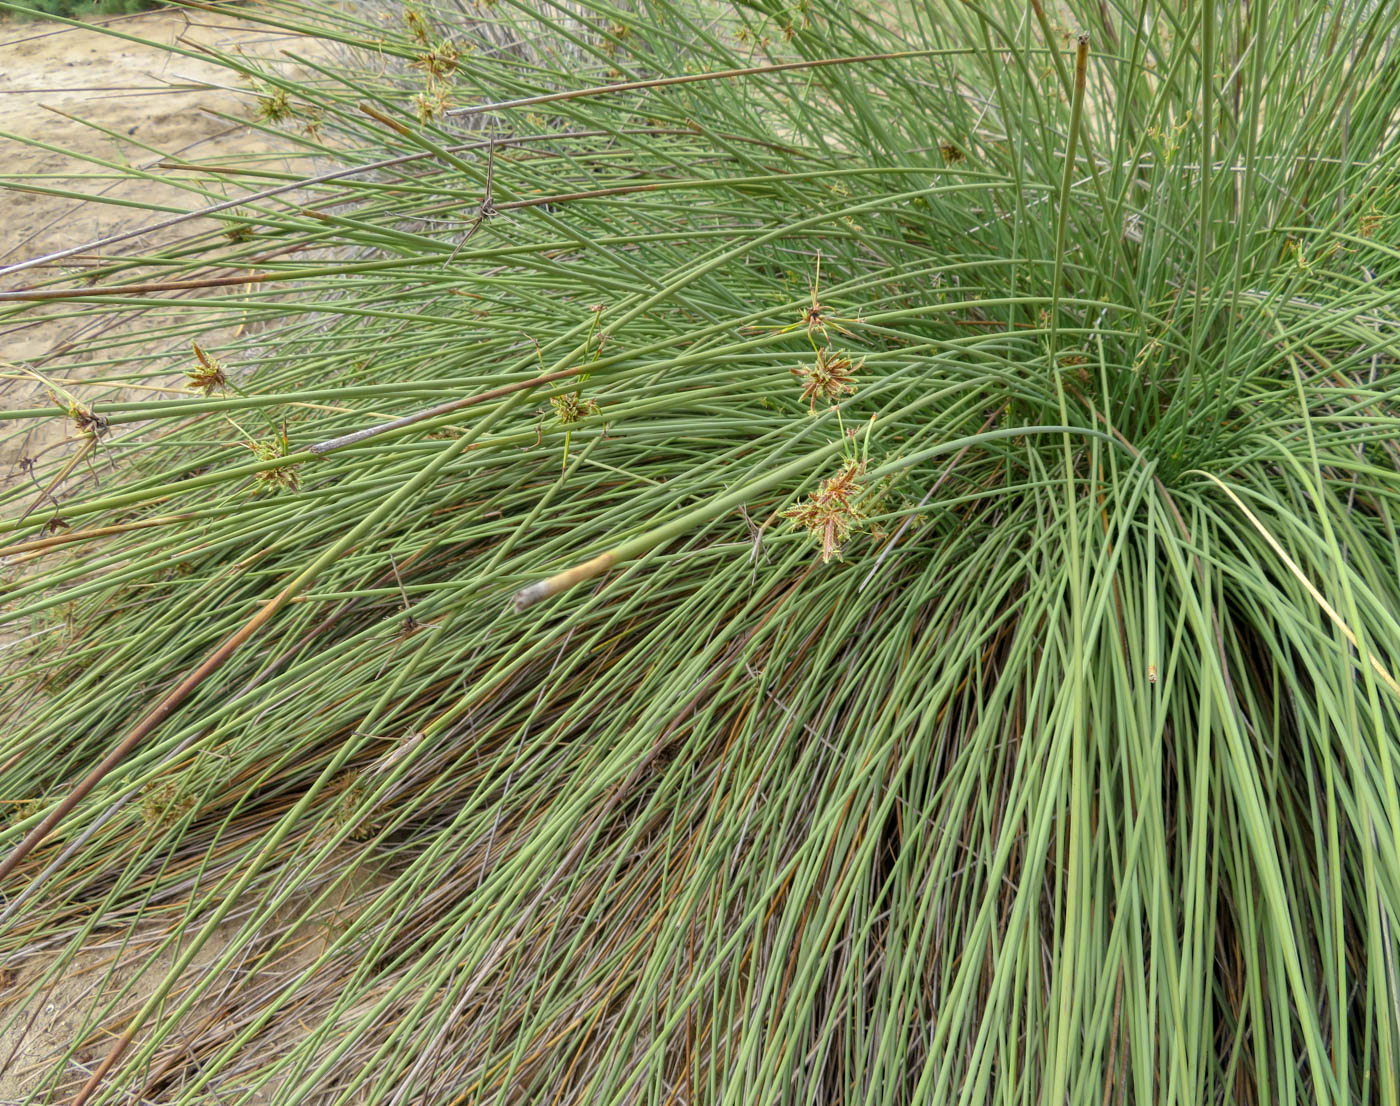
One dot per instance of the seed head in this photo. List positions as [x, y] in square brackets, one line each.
[274, 106]
[236, 230]
[351, 795]
[431, 104]
[270, 449]
[439, 62]
[207, 375]
[88, 423]
[417, 25]
[571, 407]
[27, 808]
[828, 379]
[829, 514]
[165, 804]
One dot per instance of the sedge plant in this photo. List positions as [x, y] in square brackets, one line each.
[820, 552]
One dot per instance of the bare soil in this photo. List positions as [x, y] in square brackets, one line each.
[90, 95]
[86, 94]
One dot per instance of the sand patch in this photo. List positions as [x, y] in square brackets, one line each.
[87, 98]
[61, 1012]
[94, 98]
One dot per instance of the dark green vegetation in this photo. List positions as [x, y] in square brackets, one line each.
[80, 9]
[989, 696]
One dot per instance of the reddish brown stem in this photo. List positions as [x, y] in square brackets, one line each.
[162, 710]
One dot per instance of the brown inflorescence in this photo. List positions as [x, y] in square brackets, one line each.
[830, 513]
[831, 377]
[207, 375]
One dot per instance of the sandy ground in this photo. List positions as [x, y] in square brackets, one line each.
[150, 104]
[85, 94]
[58, 84]
[121, 968]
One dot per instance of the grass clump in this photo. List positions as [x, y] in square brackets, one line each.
[1071, 778]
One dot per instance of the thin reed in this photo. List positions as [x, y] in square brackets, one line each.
[864, 575]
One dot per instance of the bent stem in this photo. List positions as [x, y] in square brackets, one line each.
[587, 570]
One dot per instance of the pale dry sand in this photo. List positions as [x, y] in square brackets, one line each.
[86, 94]
[43, 1007]
[58, 85]
[149, 104]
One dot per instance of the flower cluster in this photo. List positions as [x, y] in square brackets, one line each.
[348, 812]
[829, 378]
[87, 422]
[430, 104]
[439, 60]
[830, 513]
[571, 407]
[274, 105]
[166, 803]
[272, 449]
[207, 375]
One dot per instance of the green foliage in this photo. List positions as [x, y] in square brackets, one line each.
[81, 9]
[950, 508]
